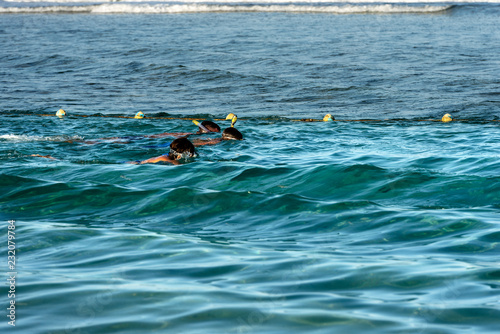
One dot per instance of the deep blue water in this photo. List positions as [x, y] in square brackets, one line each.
[382, 226]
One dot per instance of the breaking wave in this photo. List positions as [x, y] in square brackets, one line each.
[168, 8]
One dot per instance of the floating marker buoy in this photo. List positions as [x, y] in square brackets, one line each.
[60, 113]
[328, 118]
[139, 115]
[447, 118]
[233, 119]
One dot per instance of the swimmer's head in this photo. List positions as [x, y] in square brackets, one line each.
[207, 127]
[447, 118]
[181, 148]
[231, 134]
[60, 113]
[140, 114]
[328, 118]
[233, 119]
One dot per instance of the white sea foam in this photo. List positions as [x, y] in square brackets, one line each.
[129, 8]
[257, 2]
[28, 138]
[220, 6]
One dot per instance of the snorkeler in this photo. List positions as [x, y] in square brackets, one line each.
[227, 134]
[203, 127]
[179, 149]
[207, 127]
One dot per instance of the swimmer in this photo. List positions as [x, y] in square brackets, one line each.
[179, 148]
[207, 127]
[227, 134]
[203, 127]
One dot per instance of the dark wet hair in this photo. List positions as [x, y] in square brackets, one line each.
[181, 145]
[232, 133]
[210, 126]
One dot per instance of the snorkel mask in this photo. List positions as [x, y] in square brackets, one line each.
[173, 154]
[226, 136]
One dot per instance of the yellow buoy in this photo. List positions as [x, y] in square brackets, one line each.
[60, 113]
[139, 115]
[328, 118]
[233, 119]
[447, 118]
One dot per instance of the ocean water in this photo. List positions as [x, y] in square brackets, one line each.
[383, 221]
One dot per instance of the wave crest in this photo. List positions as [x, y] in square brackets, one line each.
[129, 8]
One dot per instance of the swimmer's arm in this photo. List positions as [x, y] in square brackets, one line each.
[117, 140]
[89, 142]
[161, 158]
[95, 141]
[201, 142]
[170, 134]
[43, 156]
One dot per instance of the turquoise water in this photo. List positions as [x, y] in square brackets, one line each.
[381, 227]
[385, 226]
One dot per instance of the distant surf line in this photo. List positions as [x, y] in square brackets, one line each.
[196, 8]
